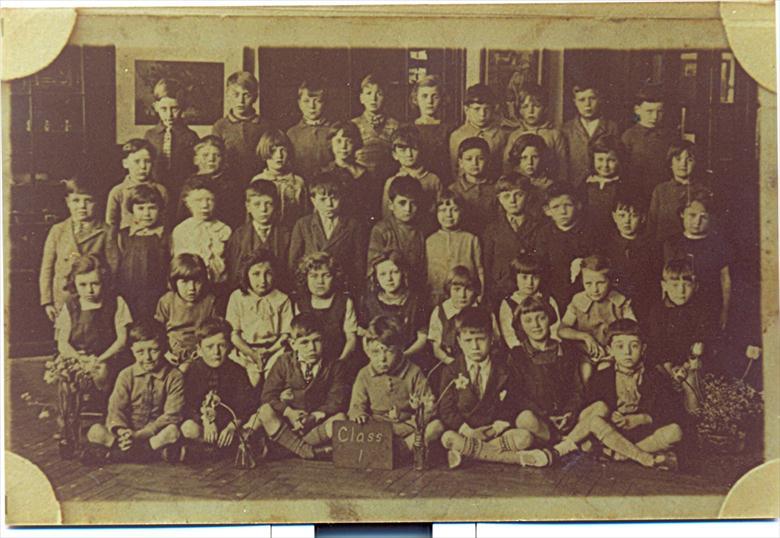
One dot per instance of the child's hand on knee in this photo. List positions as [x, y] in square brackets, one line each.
[593, 347]
[618, 419]
[498, 427]
[317, 416]
[226, 435]
[634, 421]
[124, 439]
[562, 422]
[210, 432]
[296, 417]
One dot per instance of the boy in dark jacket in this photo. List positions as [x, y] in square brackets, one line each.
[480, 397]
[630, 409]
[304, 393]
[209, 376]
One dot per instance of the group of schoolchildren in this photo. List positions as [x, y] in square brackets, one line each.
[343, 270]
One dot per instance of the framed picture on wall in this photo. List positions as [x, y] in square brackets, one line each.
[202, 82]
[506, 71]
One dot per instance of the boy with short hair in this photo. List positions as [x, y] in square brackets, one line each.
[479, 106]
[242, 127]
[563, 238]
[630, 408]
[647, 142]
[376, 128]
[329, 229]
[532, 108]
[210, 161]
[662, 219]
[390, 387]
[710, 251]
[309, 136]
[677, 321]
[304, 393]
[475, 185]
[79, 234]
[211, 371]
[137, 159]
[400, 231]
[589, 124]
[633, 252]
[173, 141]
[406, 152]
[507, 235]
[145, 407]
[480, 398]
[261, 231]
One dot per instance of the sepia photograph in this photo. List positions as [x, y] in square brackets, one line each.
[390, 263]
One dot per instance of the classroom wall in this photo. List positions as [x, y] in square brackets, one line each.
[222, 38]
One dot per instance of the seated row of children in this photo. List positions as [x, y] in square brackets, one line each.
[527, 407]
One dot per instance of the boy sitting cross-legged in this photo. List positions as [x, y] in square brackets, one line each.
[145, 407]
[303, 394]
[211, 371]
[630, 409]
[384, 389]
[481, 407]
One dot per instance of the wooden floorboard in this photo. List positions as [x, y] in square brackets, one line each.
[292, 478]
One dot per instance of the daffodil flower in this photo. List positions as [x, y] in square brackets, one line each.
[461, 382]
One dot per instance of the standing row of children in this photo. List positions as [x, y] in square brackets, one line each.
[353, 222]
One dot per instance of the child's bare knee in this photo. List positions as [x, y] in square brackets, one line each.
[526, 420]
[434, 430]
[599, 409]
[99, 434]
[190, 429]
[266, 413]
[170, 433]
[672, 433]
[521, 439]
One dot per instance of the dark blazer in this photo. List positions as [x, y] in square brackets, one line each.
[347, 245]
[501, 244]
[181, 165]
[500, 401]
[231, 384]
[244, 242]
[658, 399]
[328, 391]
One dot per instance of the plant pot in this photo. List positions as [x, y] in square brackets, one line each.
[723, 443]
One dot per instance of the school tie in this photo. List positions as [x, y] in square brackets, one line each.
[476, 379]
[308, 372]
[149, 396]
[167, 142]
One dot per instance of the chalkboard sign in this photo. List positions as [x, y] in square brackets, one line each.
[362, 446]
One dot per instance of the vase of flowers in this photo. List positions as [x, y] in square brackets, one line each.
[208, 413]
[424, 406]
[73, 379]
[728, 407]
